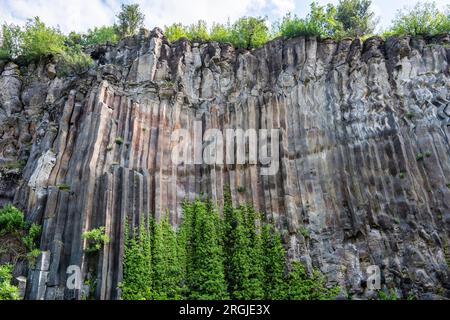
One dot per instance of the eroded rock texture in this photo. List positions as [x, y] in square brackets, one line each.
[364, 173]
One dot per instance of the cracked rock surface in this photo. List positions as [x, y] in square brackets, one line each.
[364, 176]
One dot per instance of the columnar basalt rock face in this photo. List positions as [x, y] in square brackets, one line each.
[364, 175]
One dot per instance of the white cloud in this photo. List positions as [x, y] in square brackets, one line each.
[83, 14]
[283, 6]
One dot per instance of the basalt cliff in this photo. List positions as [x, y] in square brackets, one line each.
[364, 153]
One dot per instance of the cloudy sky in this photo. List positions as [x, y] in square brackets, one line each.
[80, 15]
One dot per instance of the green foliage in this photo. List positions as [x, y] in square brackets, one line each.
[246, 262]
[119, 141]
[175, 31]
[391, 295]
[73, 61]
[29, 240]
[274, 265]
[220, 33]
[198, 31]
[7, 290]
[302, 286]
[304, 232]
[130, 19]
[11, 41]
[14, 165]
[11, 219]
[236, 257]
[423, 19]
[167, 268]
[356, 17]
[96, 239]
[101, 35]
[74, 39]
[249, 32]
[320, 23]
[38, 40]
[12, 222]
[411, 296]
[420, 157]
[64, 187]
[205, 273]
[410, 115]
[137, 264]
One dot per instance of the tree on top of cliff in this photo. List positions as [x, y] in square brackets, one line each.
[356, 17]
[130, 20]
[422, 19]
[249, 32]
[39, 40]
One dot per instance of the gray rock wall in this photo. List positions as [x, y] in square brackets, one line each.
[364, 152]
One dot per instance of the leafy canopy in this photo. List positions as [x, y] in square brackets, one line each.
[423, 19]
[38, 40]
[130, 19]
[356, 17]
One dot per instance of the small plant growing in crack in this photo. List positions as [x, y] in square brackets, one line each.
[304, 232]
[119, 141]
[420, 157]
[64, 187]
[410, 115]
[241, 189]
[96, 239]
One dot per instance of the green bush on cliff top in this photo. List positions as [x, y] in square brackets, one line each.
[348, 18]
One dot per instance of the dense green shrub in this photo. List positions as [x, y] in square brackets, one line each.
[72, 62]
[12, 222]
[7, 290]
[137, 264]
[274, 265]
[249, 32]
[205, 274]
[320, 22]
[96, 239]
[246, 269]
[198, 31]
[304, 286]
[101, 35]
[167, 269]
[423, 19]
[356, 17]
[175, 31]
[235, 257]
[11, 219]
[38, 40]
[220, 33]
[11, 41]
[29, 240]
